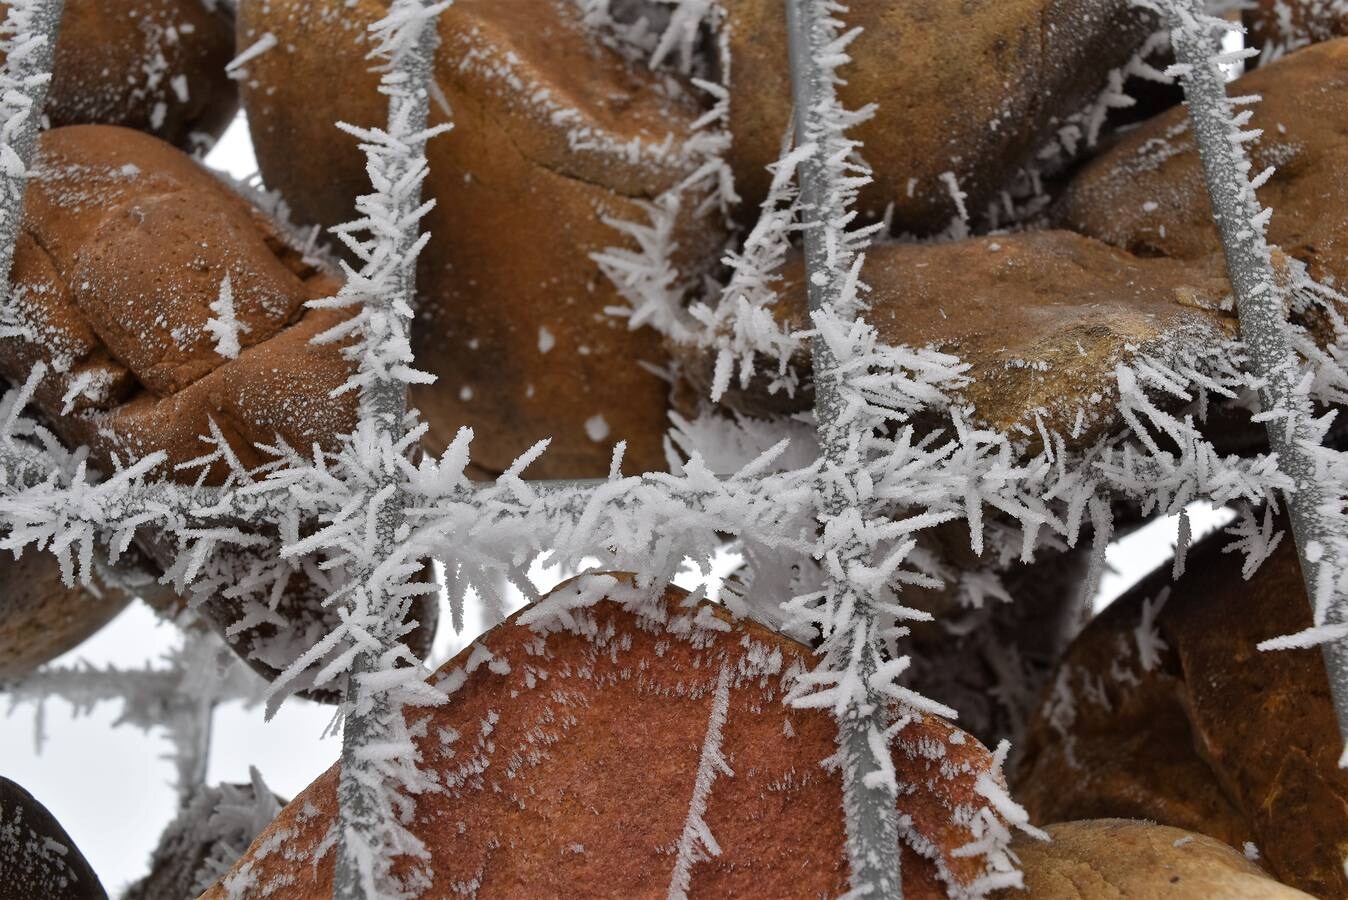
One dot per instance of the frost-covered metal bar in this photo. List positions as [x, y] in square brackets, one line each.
[1314, 507]
[28, 40]
[29, 43]
[871, 813]
[180, 696]
[370, 834]
[32, 479]
[36, 480]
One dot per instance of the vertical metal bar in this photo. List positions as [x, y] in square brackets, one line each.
[31, 54]
[1260, 302]
[871, 813]
[383, 401]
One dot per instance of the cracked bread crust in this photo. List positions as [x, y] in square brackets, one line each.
[555, 137]
[125, 245]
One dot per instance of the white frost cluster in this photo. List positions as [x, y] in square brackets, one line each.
[224, 326]
[214, 827]
[697, 843]
[656, 32]
[831, 513]
[648, 278]
[28, 44]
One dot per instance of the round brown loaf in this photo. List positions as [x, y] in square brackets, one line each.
[153, 65]
[1204, 731]
[125, 244]
[569, 751]
[554, 133]
[1141, 861]
[41, 618]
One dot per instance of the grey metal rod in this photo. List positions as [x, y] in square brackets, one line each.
[28, 68]
[1260, 302]
[871, 813]
[370, 713]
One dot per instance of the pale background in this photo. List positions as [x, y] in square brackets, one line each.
[111, 787]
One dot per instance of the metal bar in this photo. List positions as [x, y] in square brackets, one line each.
[369, 713]
[30, 54]
[1260, 302]
[871, 813]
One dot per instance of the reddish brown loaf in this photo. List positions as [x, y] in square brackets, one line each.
[554, 133]
[569, 752]
[126, 244]
[1165, 710]
[975, 88]
[153, 65]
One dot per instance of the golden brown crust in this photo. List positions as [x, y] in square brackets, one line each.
[568, 764]
[1215, 736]
[1109, 858]
[154, 65]
[1042, 318]
[553, 134]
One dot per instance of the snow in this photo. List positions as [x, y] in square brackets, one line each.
[1007, 808]
[27, 40]
[681, 35]
[696, 843]
[224, 326]
[236, 67]
[959, 227]
[214, 827]
[1314, 636]
[1149, 643]
[596, 428]
[861, 469]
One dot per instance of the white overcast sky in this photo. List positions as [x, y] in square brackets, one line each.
[111, 787]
